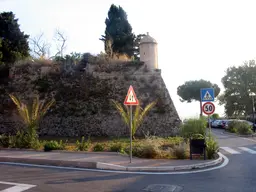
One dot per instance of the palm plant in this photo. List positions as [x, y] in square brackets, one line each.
[32, 114]
[138, 115]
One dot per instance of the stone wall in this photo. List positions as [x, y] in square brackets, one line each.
[83, 104]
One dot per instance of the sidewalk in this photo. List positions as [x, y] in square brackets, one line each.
[102, 160]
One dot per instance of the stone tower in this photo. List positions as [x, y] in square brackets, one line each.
[149, 52]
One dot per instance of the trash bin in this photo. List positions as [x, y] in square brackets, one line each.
[197, 147]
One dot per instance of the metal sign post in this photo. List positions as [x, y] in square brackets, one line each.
[208, 109]
[131, 100]
[130, 133]
[209, 122]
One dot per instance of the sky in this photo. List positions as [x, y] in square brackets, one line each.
[197, 39]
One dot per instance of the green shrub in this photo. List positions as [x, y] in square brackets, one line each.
[37, 144]
[52, 145]
[62, 145]
[215, 116]
[6, 141]
[232, 127]
[149, 148]
[179, 151]
[211, 147]
[117, 147]
[175, 140]
[193, 126]
[244, 128]
[83, 145]
[239, 127]
[99, 147]
[197, 136]
[22, 140]
[136, 149]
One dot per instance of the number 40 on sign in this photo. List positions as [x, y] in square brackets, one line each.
[208, 108]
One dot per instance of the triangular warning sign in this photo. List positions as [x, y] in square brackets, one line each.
[131, 98]
[207, 96]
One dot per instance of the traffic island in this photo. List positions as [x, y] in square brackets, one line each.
[103, 161]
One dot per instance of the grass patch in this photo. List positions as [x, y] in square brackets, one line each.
[150, 147]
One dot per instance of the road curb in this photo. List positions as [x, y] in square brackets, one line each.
[60, 151]
[107, 166]
[91, 165]
[234, 134]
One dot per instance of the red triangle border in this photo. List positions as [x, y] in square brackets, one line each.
[126, 98]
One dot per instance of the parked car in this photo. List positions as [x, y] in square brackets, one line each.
[220, 123]
[211, 120]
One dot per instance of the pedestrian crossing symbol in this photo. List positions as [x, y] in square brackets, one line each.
[207, 94]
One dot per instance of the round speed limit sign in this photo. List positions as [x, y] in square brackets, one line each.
[208, 108]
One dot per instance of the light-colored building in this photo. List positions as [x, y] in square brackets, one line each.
[149, 52]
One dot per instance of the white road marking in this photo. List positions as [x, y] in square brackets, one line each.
[225, 162]
[249, 139]
[247, 150]
[18, 187]
[245, 138]
[229, 150]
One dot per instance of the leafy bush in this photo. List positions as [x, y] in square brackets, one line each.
[20, 140]
[197, 136]
[211, 147]
[149, 148]
[150, 151]
[240, 127]
[53, 145]
[83, 145]
[175, 140]
[99, 147]
[24, 140]
[244, 128]
[62, 145]
[6, 141]
[117, 147]
[215, 116]
[232, 126]
[193, 126]
[179, 151]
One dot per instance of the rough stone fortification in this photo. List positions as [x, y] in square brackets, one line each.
[83, 104]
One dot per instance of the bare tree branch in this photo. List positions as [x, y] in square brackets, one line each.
[40, 47]
[61, 40]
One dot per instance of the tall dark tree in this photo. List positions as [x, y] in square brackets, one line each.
[190, 90]
[118, 38]
[1, 54]
[14, 42]
[239, 82]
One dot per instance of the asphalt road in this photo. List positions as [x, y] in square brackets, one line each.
[238, 176]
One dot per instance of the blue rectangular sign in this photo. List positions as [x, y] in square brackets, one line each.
[207, 94]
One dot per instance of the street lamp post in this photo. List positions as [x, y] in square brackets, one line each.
[252, 94]
[236, 95]
[235, 109]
